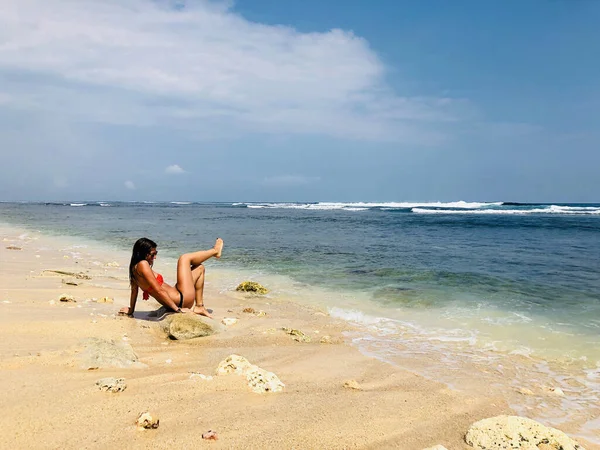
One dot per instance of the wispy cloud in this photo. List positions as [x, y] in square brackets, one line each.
[130, 185]
[174, 169]
[201, 64]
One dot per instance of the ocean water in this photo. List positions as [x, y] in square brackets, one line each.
[510, 289]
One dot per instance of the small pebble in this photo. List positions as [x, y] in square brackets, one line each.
[145, 421]
[352, 384]
[227, 321]
[210, 435]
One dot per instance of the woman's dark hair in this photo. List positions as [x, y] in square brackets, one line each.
[141, 248]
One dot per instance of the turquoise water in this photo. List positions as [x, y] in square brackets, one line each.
[480, 281]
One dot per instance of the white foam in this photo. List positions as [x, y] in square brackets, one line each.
[361, 206]
[181, 203]
[78, 204]
[354, 316]
[546, 210]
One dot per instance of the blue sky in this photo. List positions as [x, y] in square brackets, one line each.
[264, 100]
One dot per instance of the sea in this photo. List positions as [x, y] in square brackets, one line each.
[500, 298]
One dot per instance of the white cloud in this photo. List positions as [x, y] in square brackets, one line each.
[145, 62]
[290, 180]
[174, 169]
[129, 185]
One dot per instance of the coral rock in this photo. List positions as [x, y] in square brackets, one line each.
[297, 335]
[503, 432]
[145, 421]
[558, 392]
[210, 435]
[105, 300]
[251, 286]
[66, 298]
[111, 384]
[228, 321]
[233, 364]
[352, 384]
[249, 310]
[259, 380]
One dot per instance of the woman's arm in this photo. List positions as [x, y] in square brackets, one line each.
[132, 300]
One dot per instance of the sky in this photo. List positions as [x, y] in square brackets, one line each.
[328, 100]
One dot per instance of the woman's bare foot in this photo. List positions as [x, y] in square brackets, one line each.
[219, 247]
[201, 310]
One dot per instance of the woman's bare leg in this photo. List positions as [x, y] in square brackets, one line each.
[187, 281]
[198, 273]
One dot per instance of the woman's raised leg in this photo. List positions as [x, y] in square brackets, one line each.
[187, 281]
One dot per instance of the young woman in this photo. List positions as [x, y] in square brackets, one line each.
[187, 292]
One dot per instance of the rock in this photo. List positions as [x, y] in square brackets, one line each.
[210, 435]
[146, 421]
[186, 326]
[352, 384]
[502, 432]
[259, 380]
[436, 447]
[105, 300]
[228, 321]
[253, 311]
[326, 340]
[67, 298]
[297, 335]
[68, 282]
[233, 364]
[556, 391]
[251, 286]
[112, 264]
[525, 391]
[13, 247]
[111, 384]
[101, 353]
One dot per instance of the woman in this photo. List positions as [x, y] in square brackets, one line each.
[187, 292]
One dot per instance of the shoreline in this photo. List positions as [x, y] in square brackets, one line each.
[394, 408]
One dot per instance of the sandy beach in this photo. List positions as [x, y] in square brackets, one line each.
[50, 399]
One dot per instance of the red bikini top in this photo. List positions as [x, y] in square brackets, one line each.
[160, 280]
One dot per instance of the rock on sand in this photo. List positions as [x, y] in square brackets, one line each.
[186, 326]
[505, 432]
[259, 380]
[101, 353]
[112, 384]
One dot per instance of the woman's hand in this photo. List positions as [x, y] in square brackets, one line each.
[125, 311]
